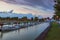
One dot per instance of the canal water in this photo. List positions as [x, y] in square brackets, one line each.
[29, 33]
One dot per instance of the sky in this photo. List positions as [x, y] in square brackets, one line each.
[35, 7]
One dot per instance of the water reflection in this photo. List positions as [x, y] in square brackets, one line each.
[29, 33]
[1, 34]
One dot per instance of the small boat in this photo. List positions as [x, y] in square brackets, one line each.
[9, 27]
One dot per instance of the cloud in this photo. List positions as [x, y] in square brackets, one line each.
[44, 3]
[39, 7]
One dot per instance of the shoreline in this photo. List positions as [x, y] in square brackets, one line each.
[19, 27]
[43, 34]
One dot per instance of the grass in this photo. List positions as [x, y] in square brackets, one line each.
[54, 33]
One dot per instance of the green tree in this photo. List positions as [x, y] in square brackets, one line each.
[14, 18]
[57, 9]
[36, 19]
[24, 18]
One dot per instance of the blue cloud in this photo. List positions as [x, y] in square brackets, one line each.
[45, 3]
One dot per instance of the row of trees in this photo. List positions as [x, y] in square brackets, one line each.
[19, 19]
[23, 19]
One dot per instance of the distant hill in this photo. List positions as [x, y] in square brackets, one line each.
[8, 14]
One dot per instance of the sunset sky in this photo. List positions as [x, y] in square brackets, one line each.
[36, 7]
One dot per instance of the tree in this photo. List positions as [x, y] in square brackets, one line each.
[32, 18]
[57, 9]
[24, 18]
[36, 19]
[14, 18]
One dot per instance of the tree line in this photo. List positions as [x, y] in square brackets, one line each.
[23, 19]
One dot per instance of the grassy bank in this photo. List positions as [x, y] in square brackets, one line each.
[54, 33]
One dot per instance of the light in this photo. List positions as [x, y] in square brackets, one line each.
[57, 16]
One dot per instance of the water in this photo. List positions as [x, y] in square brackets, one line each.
[29, 33]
